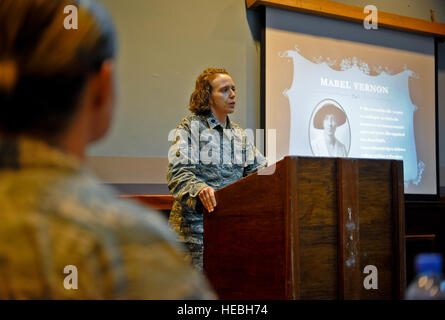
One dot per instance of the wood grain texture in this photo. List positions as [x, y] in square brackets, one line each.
[355, 14]
[293, 270]
[399, 244]
[376, 225]
[158, 202]
[276, 236]
[317, 210]
[245, 249]
[349, 230]
[420, 237]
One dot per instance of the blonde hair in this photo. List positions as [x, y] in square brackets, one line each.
[200, 98]
[43, 66]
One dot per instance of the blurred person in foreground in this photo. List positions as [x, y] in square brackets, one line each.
[56, 97]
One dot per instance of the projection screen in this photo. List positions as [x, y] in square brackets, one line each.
[335, 89]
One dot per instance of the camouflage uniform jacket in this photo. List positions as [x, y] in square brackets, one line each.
[204, 154]
[54, 213]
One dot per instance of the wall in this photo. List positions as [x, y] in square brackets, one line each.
[164, 45]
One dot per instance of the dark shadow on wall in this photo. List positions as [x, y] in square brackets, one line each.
[256, 21]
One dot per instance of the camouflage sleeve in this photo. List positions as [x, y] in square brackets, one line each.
[254, 159]
[183, 157]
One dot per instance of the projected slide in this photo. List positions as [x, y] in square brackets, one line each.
[378, 110]
[358, 98]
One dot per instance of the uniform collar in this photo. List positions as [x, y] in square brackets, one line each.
[214, 122]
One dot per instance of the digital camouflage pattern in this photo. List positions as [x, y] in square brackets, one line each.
[204, 154]
[55, 213]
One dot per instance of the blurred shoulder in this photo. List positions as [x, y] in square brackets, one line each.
[144, 252]
[85, 201]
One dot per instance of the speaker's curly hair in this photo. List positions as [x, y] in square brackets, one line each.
[200, 98]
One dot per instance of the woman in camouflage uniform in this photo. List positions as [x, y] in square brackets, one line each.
[209, 152]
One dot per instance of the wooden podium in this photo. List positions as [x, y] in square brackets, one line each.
[308, 231]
